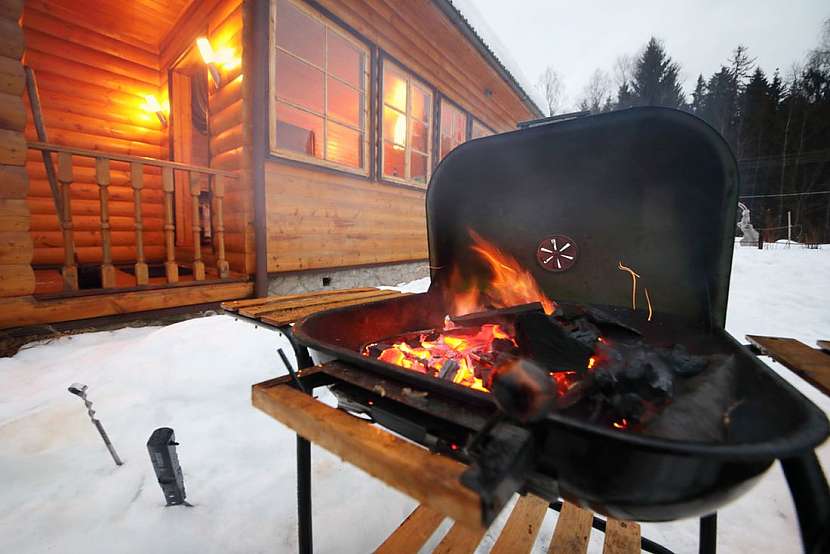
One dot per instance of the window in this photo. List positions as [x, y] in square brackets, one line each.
[453, 127]
[480, 130]
[319, 78]
[407, 127]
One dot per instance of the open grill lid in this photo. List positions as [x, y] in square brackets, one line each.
[654, 188]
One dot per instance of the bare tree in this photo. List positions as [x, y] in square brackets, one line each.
[551, 86]
[597, 93]
[623, 69]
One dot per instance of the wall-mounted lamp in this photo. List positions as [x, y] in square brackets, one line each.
[209, 57]
[152, 105]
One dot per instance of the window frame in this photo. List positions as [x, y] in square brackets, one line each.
[474, 120]
[329, 22]
[385, 58]
[468, 118]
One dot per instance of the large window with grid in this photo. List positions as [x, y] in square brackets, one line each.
[406, 135]
[319, 77]
[453, 127]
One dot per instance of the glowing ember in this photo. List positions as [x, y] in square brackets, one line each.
[621, 424]
[463, 355]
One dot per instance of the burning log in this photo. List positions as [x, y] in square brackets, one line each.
[549, 344]
[523, 390]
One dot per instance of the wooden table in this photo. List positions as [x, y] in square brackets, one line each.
[811, 364]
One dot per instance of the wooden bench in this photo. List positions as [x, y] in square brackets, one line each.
[278, 311]
[570, 536]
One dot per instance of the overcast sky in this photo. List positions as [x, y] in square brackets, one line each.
[578, 36]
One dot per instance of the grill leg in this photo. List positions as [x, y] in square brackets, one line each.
[811, 496]
[708, 534]
[304, 495]
[304, 528]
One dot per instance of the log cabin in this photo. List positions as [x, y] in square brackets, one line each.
[163, 153]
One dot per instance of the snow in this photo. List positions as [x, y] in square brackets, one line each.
[62, 492]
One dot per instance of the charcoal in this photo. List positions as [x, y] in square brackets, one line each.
[495, 315]
[608, 324]
[448, 370]
[700, 406]
[548, 344]
[683, 363]
[523, 390]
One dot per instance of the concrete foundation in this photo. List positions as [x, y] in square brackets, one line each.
[367, 276]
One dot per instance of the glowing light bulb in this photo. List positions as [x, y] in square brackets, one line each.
[206, 50]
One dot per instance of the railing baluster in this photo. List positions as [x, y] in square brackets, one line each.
[198, 264]
[142, 274]
[171, 268]
[102, 177]
[65, 178]
[218, 208]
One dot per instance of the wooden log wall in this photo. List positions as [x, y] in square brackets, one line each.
[92, 89]
[221, 21]
[16, 276]
[320, 220]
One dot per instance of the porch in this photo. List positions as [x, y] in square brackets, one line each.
[138, 194]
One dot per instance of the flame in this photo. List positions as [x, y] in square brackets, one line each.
[470, 347]
[509, 285]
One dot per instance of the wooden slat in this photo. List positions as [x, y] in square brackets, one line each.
[237, 304]
[222, 265]
[290, 316]
[520, 531]
[196, 228]
[17, 312]
[411, 535]
[431, 479]
[142, 274]
[824, 345]
[65, 178]
[459, 540]
[171, 268]
[271, 307]
[129, 158]
[810, 363]
[621, 537]
[102, 176]
[573, 528]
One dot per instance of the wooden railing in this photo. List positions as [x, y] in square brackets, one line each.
[216, 177]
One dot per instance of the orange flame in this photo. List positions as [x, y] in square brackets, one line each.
[468, 347]
[510, 284]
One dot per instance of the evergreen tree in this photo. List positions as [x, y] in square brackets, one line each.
[655, 81]
[698, 96]
[624, 97]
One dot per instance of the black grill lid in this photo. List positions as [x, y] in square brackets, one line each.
[654, 188]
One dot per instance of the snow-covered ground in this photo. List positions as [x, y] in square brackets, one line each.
[62, 493]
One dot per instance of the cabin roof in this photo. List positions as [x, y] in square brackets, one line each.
[461, 12]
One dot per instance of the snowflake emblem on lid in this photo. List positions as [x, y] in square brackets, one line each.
[557, 253]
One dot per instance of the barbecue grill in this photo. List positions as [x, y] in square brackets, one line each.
[654, 189]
